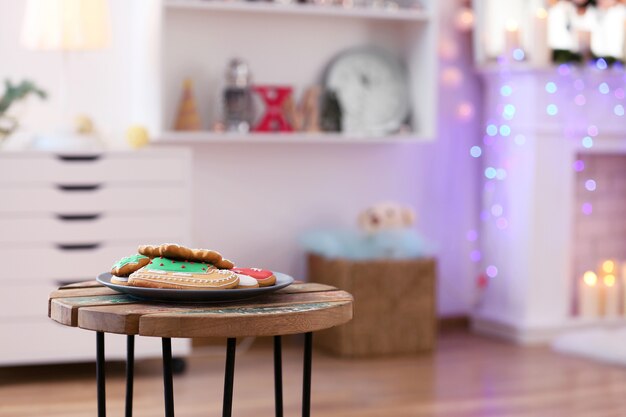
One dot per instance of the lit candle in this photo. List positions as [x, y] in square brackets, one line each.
[607, 35]
[610, 295]
[541, 54]
[609, 289]
[561, 37]
[588, 295]
[511, 38]
[608, 267]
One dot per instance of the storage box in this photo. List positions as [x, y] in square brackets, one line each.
[394, 305]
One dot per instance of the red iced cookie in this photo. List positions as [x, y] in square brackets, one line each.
[266, 278]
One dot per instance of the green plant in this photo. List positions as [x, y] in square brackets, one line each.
[12, 94]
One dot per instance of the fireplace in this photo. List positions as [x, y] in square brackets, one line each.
[542, 227]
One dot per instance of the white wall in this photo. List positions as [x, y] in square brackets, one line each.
[101, 82]
[253, 201]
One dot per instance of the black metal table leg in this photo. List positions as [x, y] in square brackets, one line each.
[100, 374]
[229, 377]
[130, 372]
[306, 381]
[168, 390]
[278, 376]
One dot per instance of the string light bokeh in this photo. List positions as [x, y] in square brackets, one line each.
[568, 95]
[569, 87]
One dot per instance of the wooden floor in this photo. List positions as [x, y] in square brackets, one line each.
[468, 376]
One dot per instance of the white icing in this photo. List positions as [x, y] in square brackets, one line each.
[213, 278]
[256, 269]
[246, 281]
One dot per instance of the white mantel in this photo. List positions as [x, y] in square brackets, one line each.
[530, 298]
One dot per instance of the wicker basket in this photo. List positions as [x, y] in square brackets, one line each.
[394, 305]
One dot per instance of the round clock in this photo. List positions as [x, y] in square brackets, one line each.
[372, 89]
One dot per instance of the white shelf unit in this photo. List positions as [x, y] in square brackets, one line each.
[286, 45]
[300, 9]
[198, 138]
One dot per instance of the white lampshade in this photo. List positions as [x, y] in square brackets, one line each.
[66, 25]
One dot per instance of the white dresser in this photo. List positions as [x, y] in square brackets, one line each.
[68, 217]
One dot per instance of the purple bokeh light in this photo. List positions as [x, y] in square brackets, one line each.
[579, 166]
[491, 271]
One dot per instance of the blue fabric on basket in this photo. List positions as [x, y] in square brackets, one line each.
[386, 244]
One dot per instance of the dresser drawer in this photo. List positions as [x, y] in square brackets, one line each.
[95, 199]
[91, 228]
[42, 340]
[54, 265]
[29, 300]
[76, 169]
[38, 340]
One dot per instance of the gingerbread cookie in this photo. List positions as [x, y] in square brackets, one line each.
[225, 264]
[150, 251]
[169, 273]
[263, 276]
[182, 253]
[246, 281]
[126, 266]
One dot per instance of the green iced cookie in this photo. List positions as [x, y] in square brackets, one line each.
[126, 266]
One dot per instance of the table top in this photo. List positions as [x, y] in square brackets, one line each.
[301, 307]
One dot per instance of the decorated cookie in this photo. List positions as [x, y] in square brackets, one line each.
[169, 273]
[151, 251]
[119, 280]
[225, 264]
[263, 276]
[182, 253]
[126, 266]
[246, 281]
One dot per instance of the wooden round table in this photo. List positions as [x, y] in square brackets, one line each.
[299, 308]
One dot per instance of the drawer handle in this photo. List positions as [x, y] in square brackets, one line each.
[77, 246]
[83, 187]
[79, 158]
[78, 217]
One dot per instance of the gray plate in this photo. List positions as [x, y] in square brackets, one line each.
[194, 296]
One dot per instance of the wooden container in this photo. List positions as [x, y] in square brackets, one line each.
[394, 305]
